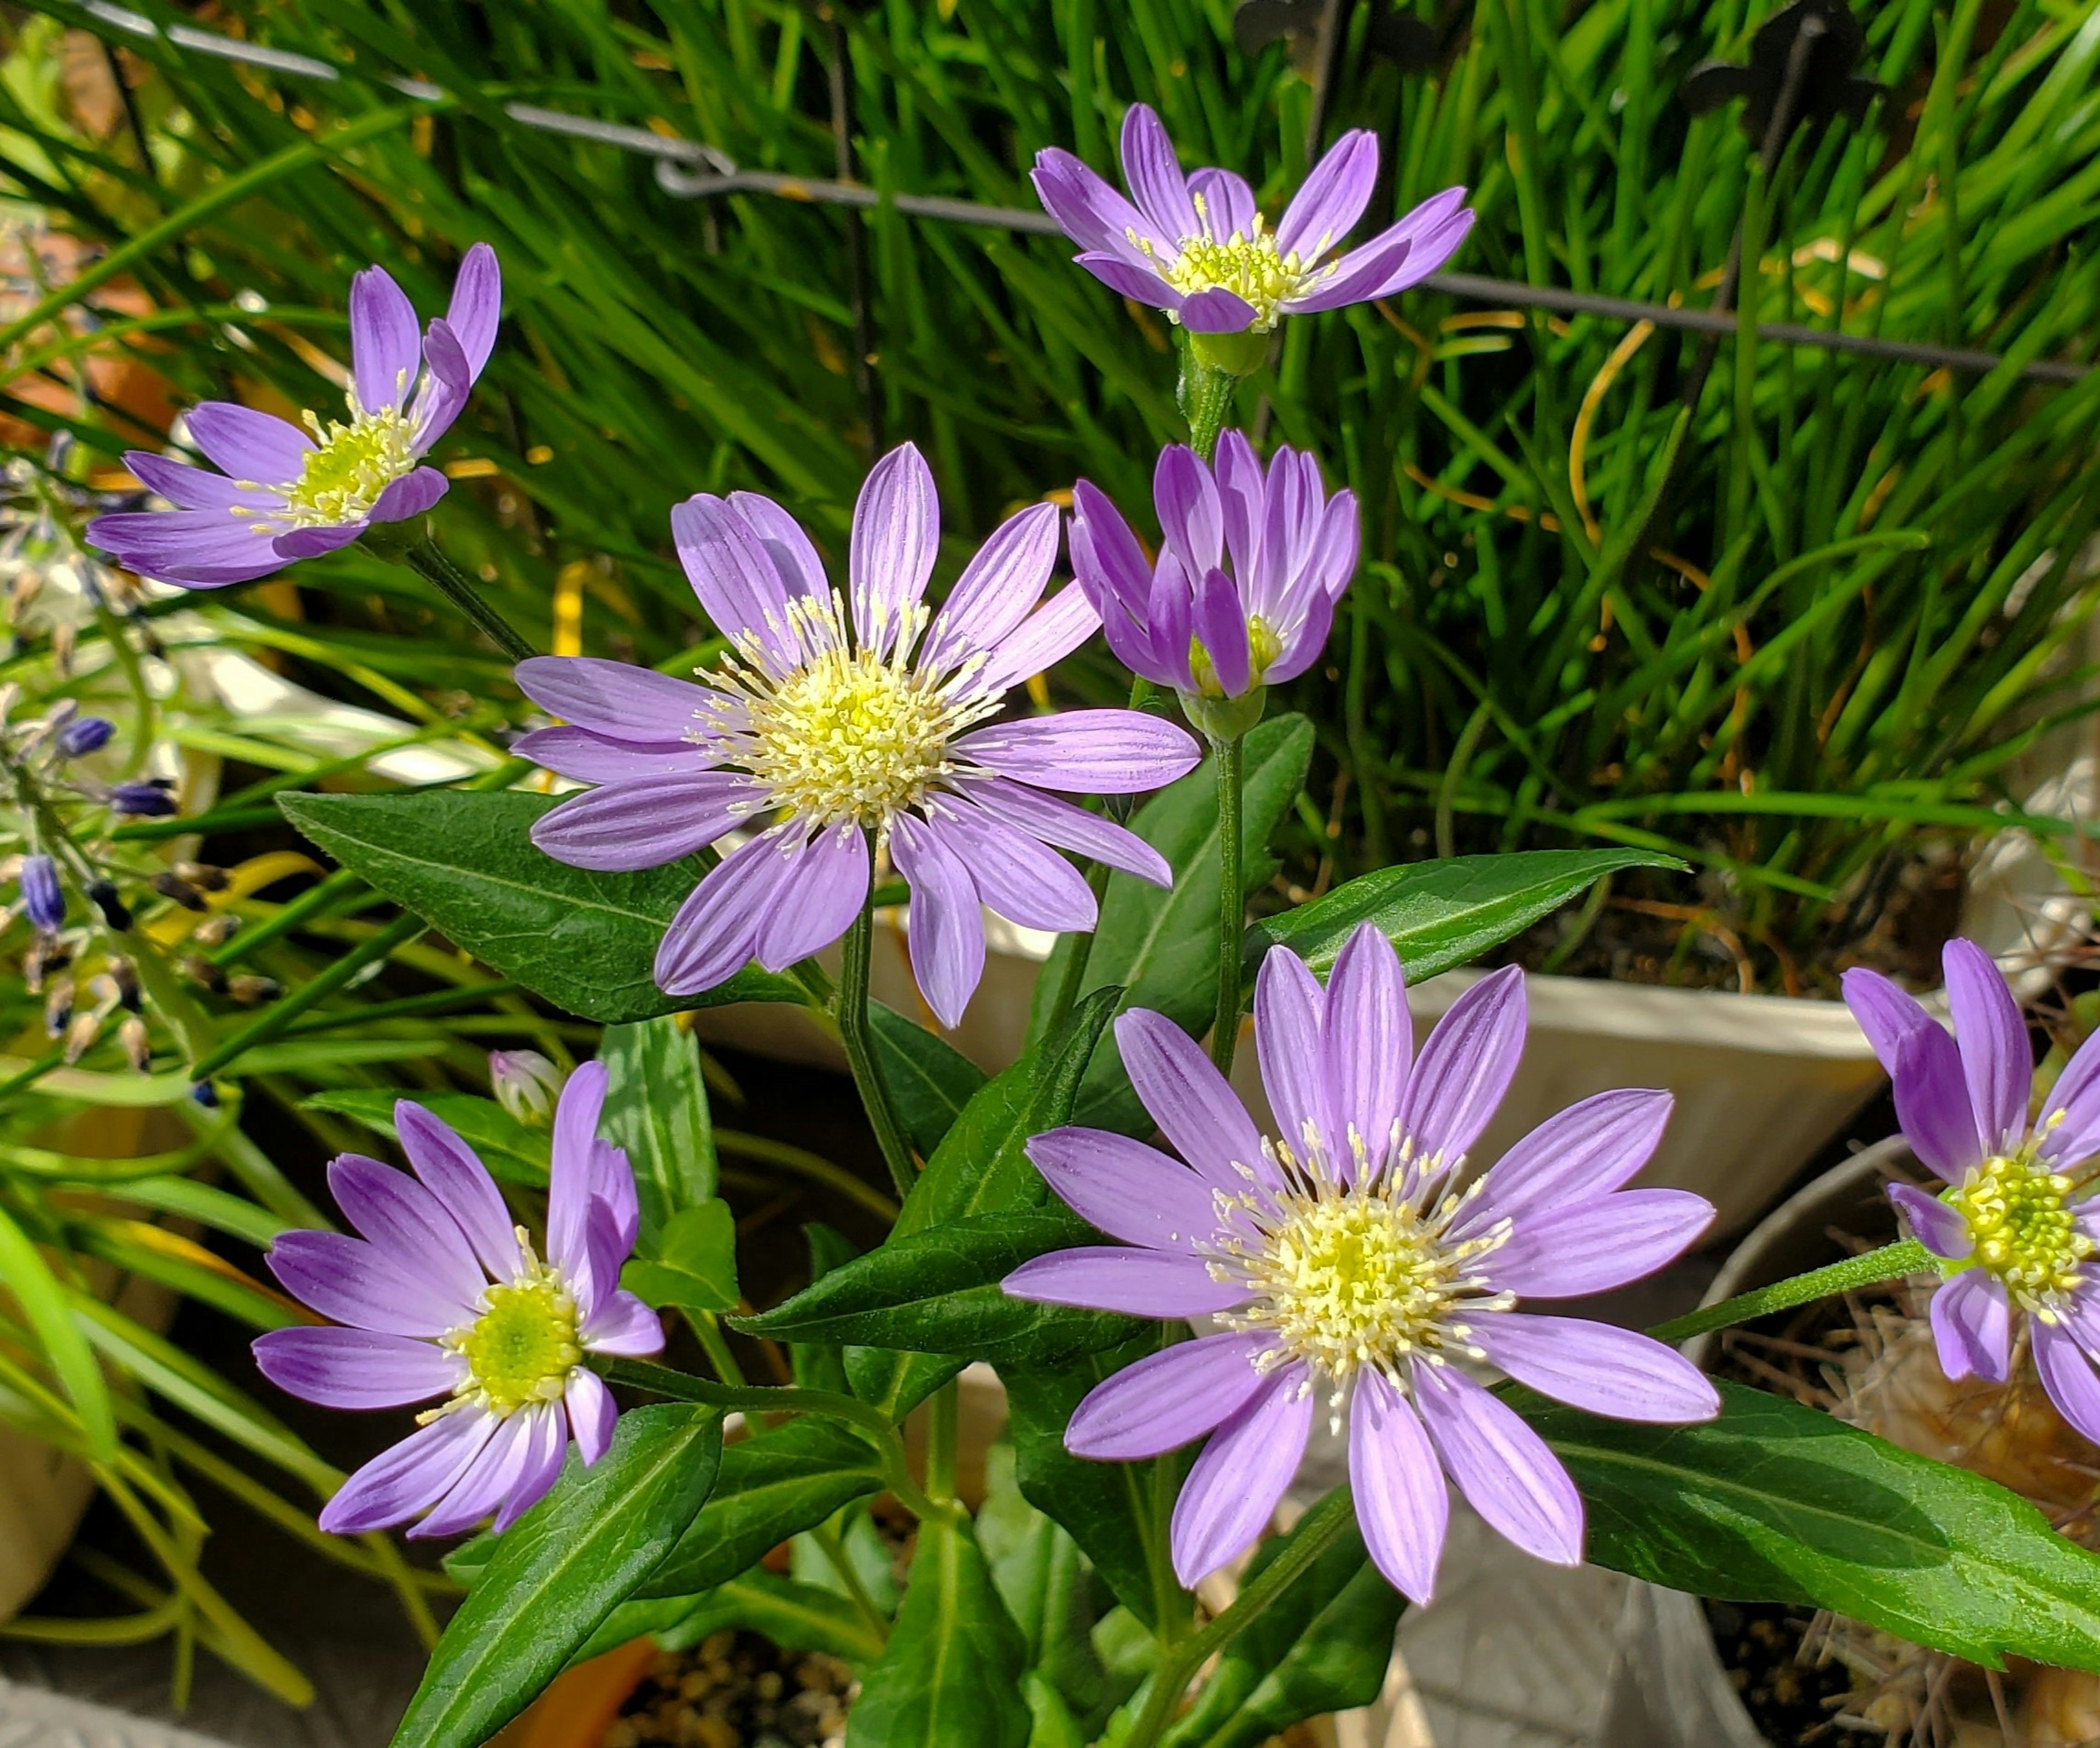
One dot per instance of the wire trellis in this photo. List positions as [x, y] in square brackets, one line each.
[691, 169]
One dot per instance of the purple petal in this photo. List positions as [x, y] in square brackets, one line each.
[946, 938]
[1368, 1036]
[1607, 1371]
[248, 445]
[1093, 214]
[896, 535]
[1501, 1466]
[1165, 1399]
[448, 382]
[1402, 1504]
[1237, 1483]
[645, 821]
[487, 1482]
[614, 699]
[315, 543]
[1058, 822]
[1170, 616]
[1015, 874]
[1290, 1012]
[1396, 258]
[1583, 1248]
[715, 930]
[1937, 1226]
[1885, 1013]
[1217, 311]
[2067, 1375]
[1049, 634]
[996, 590]
[410, 495]
[1222, 630]
[1355, 277]
[1972, 1327]
[156, 540]
[592, 1413]
[591, 758]
[1430, 251]
[405, 1221]
[1137, 1283]
[625, 1327]
[1189, 1100]
[822, 892]
[1241, 503]
[407, 1477]
[453, 1173]
[1154, 175]
[385, 347]
[1580, 1154]
[357, 1283]
[192, 488]
[542, 1467]
[1465, 1067]
[2070, 1126]
[1191, 517]
[577, 1120]
[1223, 203]
[795, 559]
[476, 306]
[1998, 1060]
[1127, 278]
[1109, 752]
[1128, 1190]
[1932, 1103]
[617, 1205]
[1106, 558]
[355, 1369]
[734, 576]
[1326, 208]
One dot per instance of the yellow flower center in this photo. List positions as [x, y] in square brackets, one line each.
[2025, 1233]
[521, 1349]
[1364, 1275]
[847, 735]
[1264, 646]
[1250, 266]
[342, 478]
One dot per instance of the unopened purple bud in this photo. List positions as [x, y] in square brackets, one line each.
[84, 735]
[102, 894]
[204, 1094]
[42, 897]
[145, 800]
[526, 1084]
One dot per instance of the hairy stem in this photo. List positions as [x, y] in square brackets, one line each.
[1888, 1263]
[431, 564]
[1232, 904]
[849, 1008]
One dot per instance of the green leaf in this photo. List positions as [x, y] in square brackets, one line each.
[1440, 914]
[25, 1274]
[1774, 1502]
[693, 1264]
[461, 860]
[505, 1146]
[1322, 1646]
[794, 1616]
[561, 1570]
[951, 1677]
[1048, 1589]
[772, 1485]
[938, 1292]
[1107, 1507]
[1163, 947]
[929, 1079]
[656, 1107]
[1051, 1722]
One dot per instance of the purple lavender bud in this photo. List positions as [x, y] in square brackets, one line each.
[102, 894]
[84, 735]
[42, 897]
[204, 1094]
[145, 800]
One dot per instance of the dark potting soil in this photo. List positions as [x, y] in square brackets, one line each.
[736, 1690]
[1790, 1702]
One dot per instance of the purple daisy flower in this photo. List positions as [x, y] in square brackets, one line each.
[1243, 592]
[1341, 1264]
[837, 719]
[444, 1296]
[2016, 1228]
[284, 495]
[1195, 246]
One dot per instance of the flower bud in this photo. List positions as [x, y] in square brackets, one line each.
[43, 898]
[526, 1084]
[47, 953]
[201, 970]
[138, 1047]
[102, 894]
[84, 735]
[80, 1036]
[204, 876]
[123, 978]
[58, 1007]
[204, 1095]
[148, 799]
[216, 932]
[171, 885]
[248, 989]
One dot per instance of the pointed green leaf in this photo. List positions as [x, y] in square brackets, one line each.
[692, 1265]
[24, 1274]
[929, 1079]
[505, 1146]
[794, 1616]
[656, 1107]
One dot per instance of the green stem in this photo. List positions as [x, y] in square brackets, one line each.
[1888, 1263]
[1321, 1527]
[715, 1344]
[805, 1163]
[1206, 395]
[753, 1399]
[849, 1008]
[1232, 904]
[832, 1546]
[944, 1421]
[431, 564]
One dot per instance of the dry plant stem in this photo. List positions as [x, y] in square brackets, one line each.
[431, 564]
[849, 1009]
[1314, 1536]
[1232, 904]
[1890, 1262]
